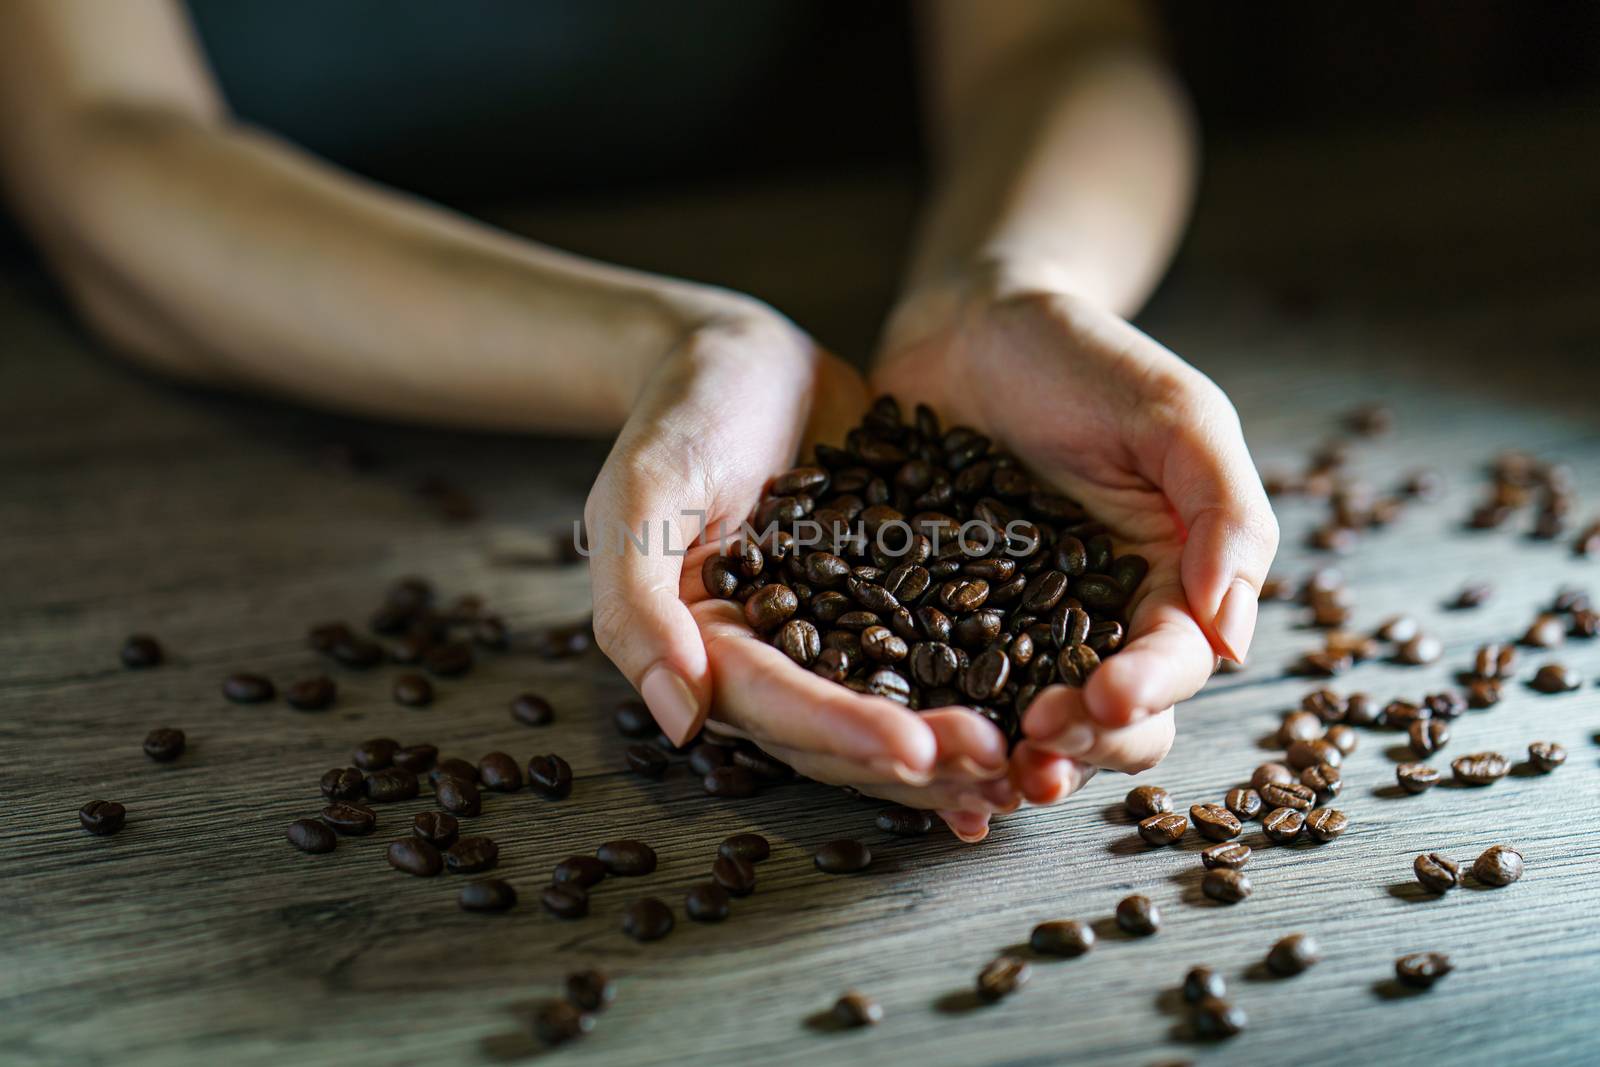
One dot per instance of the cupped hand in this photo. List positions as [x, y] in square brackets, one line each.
[732, 406]
[1148, 445]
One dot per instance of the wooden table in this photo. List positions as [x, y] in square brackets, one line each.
[1450, 271]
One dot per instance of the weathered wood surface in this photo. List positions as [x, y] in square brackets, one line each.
[1451, 272]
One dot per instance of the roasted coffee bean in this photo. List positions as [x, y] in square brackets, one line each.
[500, 773]
[391, 785]
[627, 857]
[1147, 800]
[1416, 777]
[413, 855]
[1480, 768]
[720, 576]
[1554, 678]
[1483, 692]
[1446, 705]
[436, 828]
[1494, 661]
[1164, 829]
[1428, 736]
[1324, 781]
[417, 759]
[1283, 825]
[1271, 774]
[1420, 650]
[1075, 664]
[1303, 754]
[845, 856]
[1421, 969]
[647, 919]
[1543, 756]
[248, 688]
[856, 1009]
[934, 664]
[905, 822]
[491, 894]
[584, 871]
[458, 796]
[1225, 885]
[735, 875]
[1294, 955]
[1325, 824]
[376, 754]
[349, 818]
[1291, 795]
[633, 719]
[1218, 1019]
[1398, 629]
[1003, 976]
[1105, 637]
[1062, 937]
[346, 783]
[141, 651]
[752, 848]
[987, 675]
[165, 744]
[1203, 982]
[1547, 631]
[1436, 873]
[410, 649]
[530, 709]
[1343, 738]
[1043, 591]
[731, 782]
[558, 1022]
[309, 835]
[1326, 705]
[704, 758]
[800, 641]
[882, 645]
[1244, 803]
[565, 900]
[1138, 915]
[1360, 710]
[1100, 594]
[449, 660]
[413, 691]
[1232, 855]
[1214, 821]
[550, 777]
[707, 903]
[470, 855]
[1070, 625]
[959, 596]
[1499, 865]
[648, 761]
[1299, 726]
[311, 694]
[590, 990]
[770, 607]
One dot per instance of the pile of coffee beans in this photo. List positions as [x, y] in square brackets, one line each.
[924, 565]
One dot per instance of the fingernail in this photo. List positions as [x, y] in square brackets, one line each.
[899, 771]
[1002, 796]
[671, 702]
[1236, 620]
[966, 826]
[1075, 740]
[968, 766]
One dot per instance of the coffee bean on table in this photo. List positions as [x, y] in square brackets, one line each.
[905, 822]
[1283, 825]
[633, 719]
[349, 818]
[449, 660]
[141, 651]
[499, 772]
[164, 744]
[309, 835]
[1232, 855]
[705, 758]
[1214, 821]
[1003, 976]
[707, 903]
[312, 694]
[1243, 803]
[731, 782]
[1543, 756]
[1325, 824]
[491, 894]
[763, 766]
[376, 754]
[1436, 873]
[1062, 937]
[647, 761]
[1292, 795]
[1293, 955]
[1343, 738]
[413, 855]
[1162, 830]
[1270, 774]
[413, 691]
[590, 990]
[1303, 754]
[1554, 678]
[845, 856]
[627, 857]
[750, 847]
[565, 900]
[1147, 800]
[450, 767]
[417, 759]
[344, 783]
[1203, 982]
[856, 1009]
[470, 855]
[458, 796]
[1299, 726]
[1428, 736]
[1138, 915]
[647, 919]
[1499, 865]
[1480, 768]
[735, 875]
[1420, 651]
[1416, 777]
[584, 871]
[436, 828]
[1421, 969]
[1225, 885]
[248, 688]
[530, 709]
[1324, 781]
[550, 776]
[1360, 710]
[558, 1022]
[390, 785]
[1545, 632]
[1215, 1018]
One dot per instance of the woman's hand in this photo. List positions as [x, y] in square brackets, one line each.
[730, 407]
[1149, 446]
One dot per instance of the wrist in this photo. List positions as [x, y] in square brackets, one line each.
[938, 306]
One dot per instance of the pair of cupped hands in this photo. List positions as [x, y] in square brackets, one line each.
[1089, 404]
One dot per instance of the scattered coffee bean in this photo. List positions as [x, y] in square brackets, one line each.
[1398, 629]
[436, 828]
[857, 1009]
[647, 919]
[376, 754]
[141, 651]
[1138, 915]
[905, 822]
[550, 776]
[248, 688]
[413, 855]
[1428, 736]
[471, 855]
[1303, 754]
[312, 694]
[845, 856]
[1499, 865]
[1554, 678]
[1421, 650]
[164, 744]
[633, 719]
[532, 710]
[1244, 803]
[1290, 795]
[458, 796]
[309, 835]
[1293, 955]
[347, 783]
[1416, 777]
[1472, 595]
[732, 782]
[1226, 885]
[417, 759]
[558, 1022]
[1360, 710]
[1421, 969]
[413, 691]
[391, 785]
[647, 761]
[627, 857]
[1283, 825]
[451, 767]
[763, 766]
[1436, 873]
[706, 757]
[584, 871]
[1162, 830]
[707, 903]
[1147, 800]
[1299, 726]
[735, 875]
[1325, 781]
[499, 772]
[1325, 824]
[1480, 768]
[1216, 1019]
[1270, 774]
[1343, 738]
[1003, 976]
[449, 660]
[1215, 822]
[349, 818]
[1547, 631]
[1231, 855]
[590, 990]
[1543, 756]
[752, 848]
[491, 894]
[1201, 983]
[1062, 937]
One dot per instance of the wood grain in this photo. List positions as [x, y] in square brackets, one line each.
[1452, 276]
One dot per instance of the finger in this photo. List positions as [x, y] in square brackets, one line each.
[764, 694]
[1209, 477]
[966, 825]
[984, 798]
[1044, 777]
[969, 745]
[1129, 749]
